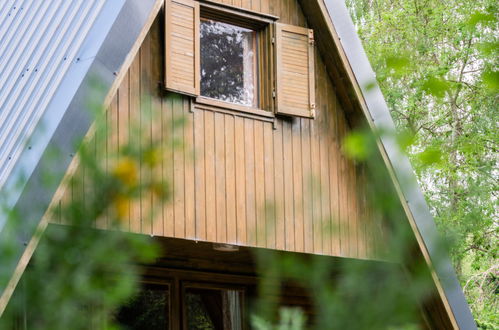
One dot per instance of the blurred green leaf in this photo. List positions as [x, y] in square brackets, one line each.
[436, 86]
[488, 48]
[405, 139]
[370, 85]
[430, 156]
[491, 80]
[399, 65]
[480, 18]
[356, 146]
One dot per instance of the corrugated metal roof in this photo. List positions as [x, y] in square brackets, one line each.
[39, 39]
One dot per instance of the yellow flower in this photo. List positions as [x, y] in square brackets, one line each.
[126, 171]
[121, 205]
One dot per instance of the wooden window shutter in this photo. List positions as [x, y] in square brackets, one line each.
[295, 79]
[182, 46]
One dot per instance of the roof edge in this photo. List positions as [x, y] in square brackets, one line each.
[378, 115]
[106, 54]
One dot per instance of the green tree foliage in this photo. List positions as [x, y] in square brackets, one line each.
[437, 64]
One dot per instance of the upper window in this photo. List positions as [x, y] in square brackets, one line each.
[228, 63]
[240, 60]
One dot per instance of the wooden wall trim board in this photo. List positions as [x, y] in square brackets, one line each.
[206, 103]
[234, 113]
[253, 17]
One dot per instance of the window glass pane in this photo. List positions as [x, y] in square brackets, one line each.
[148, 310]
[208, 309]
[228, 63]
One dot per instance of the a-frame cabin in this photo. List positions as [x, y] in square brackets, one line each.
[268, 89]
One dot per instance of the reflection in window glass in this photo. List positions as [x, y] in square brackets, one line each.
[228, 63]
[208, 309]
[148, 310]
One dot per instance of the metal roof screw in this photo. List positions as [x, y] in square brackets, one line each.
[71, 155]
[115, 73]
[29, 148]
[65, 58]
[78, 59]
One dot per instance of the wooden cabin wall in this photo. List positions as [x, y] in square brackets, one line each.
[236, 174]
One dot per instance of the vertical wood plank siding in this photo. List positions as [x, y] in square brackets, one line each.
[237, 179]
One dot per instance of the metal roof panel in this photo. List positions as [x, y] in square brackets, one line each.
[40, 40]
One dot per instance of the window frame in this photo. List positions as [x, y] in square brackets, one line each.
[167, 285]
[254, 64]
[279, 45]
[263, 25]
[210, 286]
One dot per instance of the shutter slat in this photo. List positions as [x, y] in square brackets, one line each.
[295, 84]
[182, 46]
